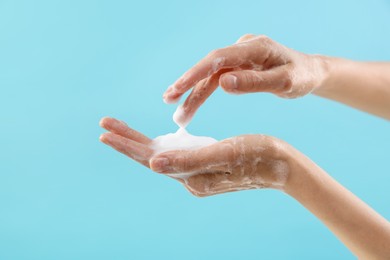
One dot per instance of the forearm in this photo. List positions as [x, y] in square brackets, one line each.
[359, 227]
[362, 85]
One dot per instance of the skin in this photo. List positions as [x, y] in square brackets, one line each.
[237, 163]
[362, 85]
[259, 64]
[256, 162]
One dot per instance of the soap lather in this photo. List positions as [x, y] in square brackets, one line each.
[181, 140]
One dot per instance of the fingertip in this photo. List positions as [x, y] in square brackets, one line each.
[110, 123]
[170, 89]
[166, 94]
[165, 100]
[169, 101]
[228, 81]
[103, 121]
[171, 98]
[104, 137]
[159, 164]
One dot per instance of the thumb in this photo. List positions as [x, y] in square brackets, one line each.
[248, 81]
[216, 157]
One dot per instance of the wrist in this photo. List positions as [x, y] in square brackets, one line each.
[286, 167]
[301, 169]
[333, 70]
[325, 65]
[306, 180]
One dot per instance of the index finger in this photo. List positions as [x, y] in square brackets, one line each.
[197, 97]
[229, 57]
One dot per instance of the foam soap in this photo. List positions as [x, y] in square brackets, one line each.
[181, 140]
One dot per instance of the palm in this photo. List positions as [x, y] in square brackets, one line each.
[237, 163]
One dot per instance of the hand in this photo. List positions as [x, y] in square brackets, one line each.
[237, 163]
[253, 64]
[257, 161]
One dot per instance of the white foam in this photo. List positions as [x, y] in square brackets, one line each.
[178, 117]
[181, 140]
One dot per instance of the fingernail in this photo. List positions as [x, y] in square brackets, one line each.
[159, 164]
[171, 98]
[167, 95]
[105, 138]
[230, 81]
[168, 100]
[101, 122]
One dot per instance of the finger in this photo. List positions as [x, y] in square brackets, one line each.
[245, 37]
[217, 157]
[120, 128]
[137, 151]
[248, 81]
[229, 57]
[238, 56]
[198, 96]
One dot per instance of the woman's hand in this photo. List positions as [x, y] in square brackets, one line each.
[238, 163]
[257, 161]
[253, 64]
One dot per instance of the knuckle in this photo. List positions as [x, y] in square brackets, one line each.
[250, 80]
[288, 81]
[182, 162]
[221, 52]
[214, 53]
[264, 39]
[246, 37]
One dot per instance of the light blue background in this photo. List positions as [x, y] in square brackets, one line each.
[66, 64]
